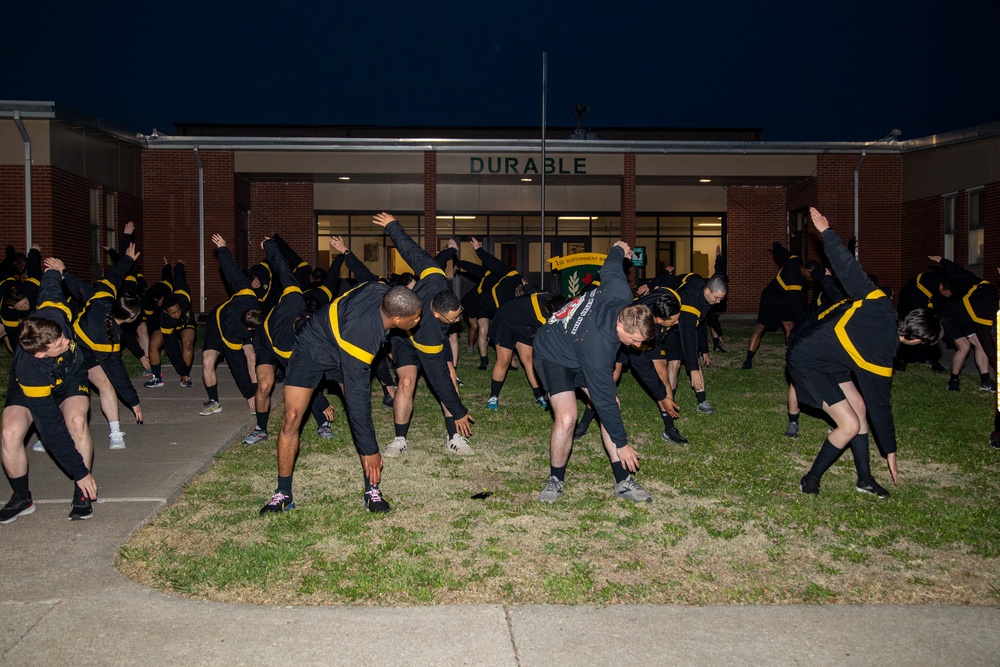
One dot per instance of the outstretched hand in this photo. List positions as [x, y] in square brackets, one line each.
[452, 243]
[383, 219]
[625, 247]
[53, 264]
[475, 243]
[934, 258]
[132, 252]
[218, 241]
[819, 221]
[338, 243]
[265, 240]
[129, 227]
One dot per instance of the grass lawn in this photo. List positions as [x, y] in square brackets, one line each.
[727, 525]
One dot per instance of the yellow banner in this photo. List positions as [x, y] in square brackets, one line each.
[579, 259]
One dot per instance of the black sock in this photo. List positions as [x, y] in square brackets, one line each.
[621, 474]
[77, 493]
[402, 430]
[558, 473]
[862, 464]
[954, 377]
[262, 417]
[700, 395]
[588, 416]
[368, 485]
[449, 423]
[385, 390]
[793, 419]
[20, 485]
[828, 454]
[213, 393]
[285, 485]
[996, 421]
[484, 361]
[538, 392]
[495, 387]
[156, 370]
[984, 378]
[668, 421]
[750, 354]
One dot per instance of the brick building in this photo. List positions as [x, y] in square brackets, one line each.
[678, 193]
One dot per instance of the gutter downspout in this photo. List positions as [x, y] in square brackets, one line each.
[27, 178]
[201, 229]
[857, 168]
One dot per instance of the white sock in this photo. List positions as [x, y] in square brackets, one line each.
[115, 426]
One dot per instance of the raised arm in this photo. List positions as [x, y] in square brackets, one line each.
[276, 258]
[421, 262]
[856, 282]
[230, 269]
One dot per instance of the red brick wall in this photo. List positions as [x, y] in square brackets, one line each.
[70, 218]
[170, 211]
[879, 205]
[286, 208]
[756, 218]
[12, 213]
[628, 205]
[922, 235]
[430, 203]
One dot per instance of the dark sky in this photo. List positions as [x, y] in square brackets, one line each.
[824, 71]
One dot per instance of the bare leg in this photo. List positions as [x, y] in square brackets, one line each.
[527, 360]
[962, 348]
[402, 404]
[109, 399]
[755, 338]
[74, 411]
[482, 334]
[209, 358]
[16, 422]
[265, 385]
[297, 401]
[564, 412]
[155, 346]
[187, 347]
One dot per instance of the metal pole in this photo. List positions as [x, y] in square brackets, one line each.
[201, 229]
[27, 178]
[545, 68]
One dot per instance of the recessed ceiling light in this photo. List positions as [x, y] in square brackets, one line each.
[577, 217]
[344, 178]
[705, 180]
[526, 180]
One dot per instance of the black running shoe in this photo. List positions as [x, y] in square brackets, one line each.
[747, 365]
[872, 487]
[83, 508]
[673, 435]
[15, 507]
[809, 484]
[953, 385]
[580, 431]
[387, 400]
[995, 439]
[717, 346]
[937, 368]
[375, 502]
[279, 503]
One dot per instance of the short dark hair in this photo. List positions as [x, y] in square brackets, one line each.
[445, 302]
[551, 303]
[400, 302]
[252, 318]
[400, 279]
[717, 284]
[921, 324]
[665, 306]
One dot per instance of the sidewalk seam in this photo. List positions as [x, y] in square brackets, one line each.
[510, 632]
[29, 630]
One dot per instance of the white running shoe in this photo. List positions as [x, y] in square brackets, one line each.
[396, 447]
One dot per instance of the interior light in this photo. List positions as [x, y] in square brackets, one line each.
[709, 224]
[705, 180]
[344, 178]
[456, 217]
[577, 217]
[526, 180]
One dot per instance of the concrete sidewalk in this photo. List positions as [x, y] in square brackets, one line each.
[63, 602]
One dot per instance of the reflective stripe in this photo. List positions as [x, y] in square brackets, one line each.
[787, 288]
[96, 347]
[845, 341]
[495, 299]
[694, 311]
[968, 306]
[479, 287]
[325, 290]
[166, 332]
[291, 289]
[431, 271]
[184, 294]
[55, 304]
[923, 289]
[426, 349]
[538, 311]
[110, 285]
[350, 348]
[830, 309]
[218, 318]
[36, 392]
[284, 354]
[13, 324]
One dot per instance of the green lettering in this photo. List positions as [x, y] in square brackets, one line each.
[580, 165]
[530, 167]
[476, 165]
[511, 166]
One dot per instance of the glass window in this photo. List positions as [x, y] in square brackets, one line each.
[505, 225]
[570, 225]
[976, 227]
[466, 225]
[645, 224]
[110, 226]
[610, 225]
[95, 233]
[949, 228]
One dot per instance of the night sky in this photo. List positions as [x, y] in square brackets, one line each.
[845, 71]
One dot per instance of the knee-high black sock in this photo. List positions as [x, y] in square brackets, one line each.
[20, 485]
[701, 396]
[156, 370]
[620, 473]
[213, 393]
[750, 354]
[262, 417]
[828, 454]
[862, 463]
[588, 416]
[668, 421]
[285, 485]
[793, 418]
[495, 387]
